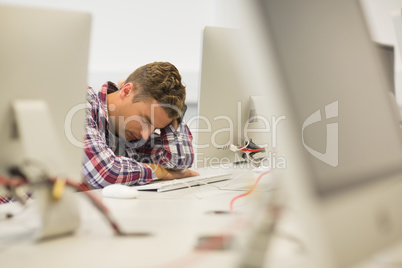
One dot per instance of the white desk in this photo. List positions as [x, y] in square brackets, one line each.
[175, 221]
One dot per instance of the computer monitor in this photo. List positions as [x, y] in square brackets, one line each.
[397, 24]
[341, 138]
[43, 73]
[224, 101]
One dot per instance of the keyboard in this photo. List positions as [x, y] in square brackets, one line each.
[169, 185]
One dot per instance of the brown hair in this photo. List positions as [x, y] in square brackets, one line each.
[161, 81]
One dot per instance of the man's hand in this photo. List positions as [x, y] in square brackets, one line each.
[179, 174]
[175, 124]
[168, 174]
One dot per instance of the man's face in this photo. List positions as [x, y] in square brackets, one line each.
[134, 121]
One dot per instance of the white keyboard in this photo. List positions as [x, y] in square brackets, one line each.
[169, 185]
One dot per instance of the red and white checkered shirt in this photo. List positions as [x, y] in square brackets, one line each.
[109, 160]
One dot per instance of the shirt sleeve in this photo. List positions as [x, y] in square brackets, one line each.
[102, 167]
[171, 148]
[9, 199]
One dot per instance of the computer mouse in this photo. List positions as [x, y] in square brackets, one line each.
[119, 191]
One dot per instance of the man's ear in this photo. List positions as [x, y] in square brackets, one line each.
[126, 90]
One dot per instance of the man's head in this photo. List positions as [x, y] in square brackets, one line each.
[162, 82]
[152, 97]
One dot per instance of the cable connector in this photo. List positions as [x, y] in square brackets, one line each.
[231, 147]
[249, 147]
[250, 152]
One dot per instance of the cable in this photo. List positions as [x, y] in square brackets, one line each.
[95, 201]
[192, 190]
[250, 190]
[77, 186]
[251, 150]
[245, 148]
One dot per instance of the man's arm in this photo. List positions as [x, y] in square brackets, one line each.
[171, 149]
[101, 166]
[165, 174]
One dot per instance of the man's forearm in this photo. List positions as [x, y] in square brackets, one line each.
[172, 148]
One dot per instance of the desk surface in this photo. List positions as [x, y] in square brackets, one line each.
[175, 221]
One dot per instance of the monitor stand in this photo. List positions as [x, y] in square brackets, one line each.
[39, 144]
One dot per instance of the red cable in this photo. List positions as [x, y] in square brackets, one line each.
[251, 150]
[97, 202]
[79, 186]
[12, 182]
[250, 190]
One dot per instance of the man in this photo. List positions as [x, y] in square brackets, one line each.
[135, 134]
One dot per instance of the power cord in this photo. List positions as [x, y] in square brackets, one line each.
[250, 152]
[250, 190]
[58, 186]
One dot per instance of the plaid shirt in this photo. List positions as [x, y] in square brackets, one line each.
[110, 160]
[8, 199]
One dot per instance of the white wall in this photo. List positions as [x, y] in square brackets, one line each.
[129, 33]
